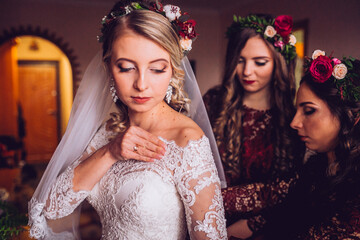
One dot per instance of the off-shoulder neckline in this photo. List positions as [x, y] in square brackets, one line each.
[189, 144]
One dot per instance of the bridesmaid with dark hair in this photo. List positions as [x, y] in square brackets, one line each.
[251, 111]
[325, 201]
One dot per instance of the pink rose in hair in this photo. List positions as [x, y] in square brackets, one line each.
[283, 25]
[279, 44]
[321, 69]
[336, 61]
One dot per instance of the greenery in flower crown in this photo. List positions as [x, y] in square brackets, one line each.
[184, 26]
[276, 31]
[344, 74]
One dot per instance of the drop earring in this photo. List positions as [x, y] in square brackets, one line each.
[168, 93]
[113, 90]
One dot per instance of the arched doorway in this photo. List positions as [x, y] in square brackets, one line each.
[32, 66]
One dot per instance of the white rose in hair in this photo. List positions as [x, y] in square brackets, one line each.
[317, 53]
[172, 12]
[270, 31]
[292, 40]
[339, 71]
[186, 44]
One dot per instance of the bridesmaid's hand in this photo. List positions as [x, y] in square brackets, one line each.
[136, 143]
[239, 229]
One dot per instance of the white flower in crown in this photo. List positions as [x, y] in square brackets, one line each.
[186, 44]
[127, 10]
[339, 71]
[292, 40]
[317, 53]
[172, 12]
[270, 31]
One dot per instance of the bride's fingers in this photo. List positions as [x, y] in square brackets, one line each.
[136, 145]
[136, 156]
[150, 141]
[145, 139]
[143, 152]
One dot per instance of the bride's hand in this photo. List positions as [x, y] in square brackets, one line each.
[136, 143]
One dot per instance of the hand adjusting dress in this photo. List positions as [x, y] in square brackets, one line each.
[148, 200]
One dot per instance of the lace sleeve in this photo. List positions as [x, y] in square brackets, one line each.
[336, 228]
[256, 196]
[199, 186]
[63, 199]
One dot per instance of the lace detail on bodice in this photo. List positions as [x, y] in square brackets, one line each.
[151, 200]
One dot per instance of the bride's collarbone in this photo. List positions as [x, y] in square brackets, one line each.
[180, 129]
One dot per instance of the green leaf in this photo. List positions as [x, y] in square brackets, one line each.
[348, 62]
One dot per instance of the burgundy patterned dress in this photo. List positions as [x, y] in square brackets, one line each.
[255, 171]
[287, 206]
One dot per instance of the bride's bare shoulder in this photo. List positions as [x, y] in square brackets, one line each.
[185, 129]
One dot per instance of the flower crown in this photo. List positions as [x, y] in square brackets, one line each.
[340, 73]
[184, 26]
[276, 31]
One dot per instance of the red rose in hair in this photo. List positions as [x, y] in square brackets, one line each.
[321, 69]
[283, 25]
[187, 29]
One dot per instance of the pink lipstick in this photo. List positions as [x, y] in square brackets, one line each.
[141, 100]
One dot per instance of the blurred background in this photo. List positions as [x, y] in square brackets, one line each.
[45, 46]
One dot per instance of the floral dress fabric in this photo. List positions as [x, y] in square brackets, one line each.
[309, 209]
[251, 187]
[164, 199]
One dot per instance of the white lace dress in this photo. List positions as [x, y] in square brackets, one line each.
[147, 200]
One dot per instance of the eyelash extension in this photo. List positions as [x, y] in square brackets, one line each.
[160, 70]
[309, 112]
[261, 63]
[257, 63]
[124, 69]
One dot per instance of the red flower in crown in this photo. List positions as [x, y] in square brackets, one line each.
[321, 69]
[187, 29]
[283, 25]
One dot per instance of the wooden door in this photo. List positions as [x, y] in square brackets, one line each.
[39, 100]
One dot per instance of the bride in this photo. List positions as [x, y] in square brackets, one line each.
[149, 170]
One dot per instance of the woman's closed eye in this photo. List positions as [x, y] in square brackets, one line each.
[261, 63]
[309, 110]
[158, 69]
[126, 67]
[241, 61]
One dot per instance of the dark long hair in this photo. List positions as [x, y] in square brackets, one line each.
[347, 112]
[227, 124]
[319, 196]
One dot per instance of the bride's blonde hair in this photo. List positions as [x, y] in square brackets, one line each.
[157, 28]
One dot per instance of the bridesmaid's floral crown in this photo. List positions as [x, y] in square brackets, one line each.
[343, 74]
[276, 31]
[184, 27]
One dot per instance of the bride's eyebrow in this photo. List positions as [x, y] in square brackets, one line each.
[124, 59]
[159, 60]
